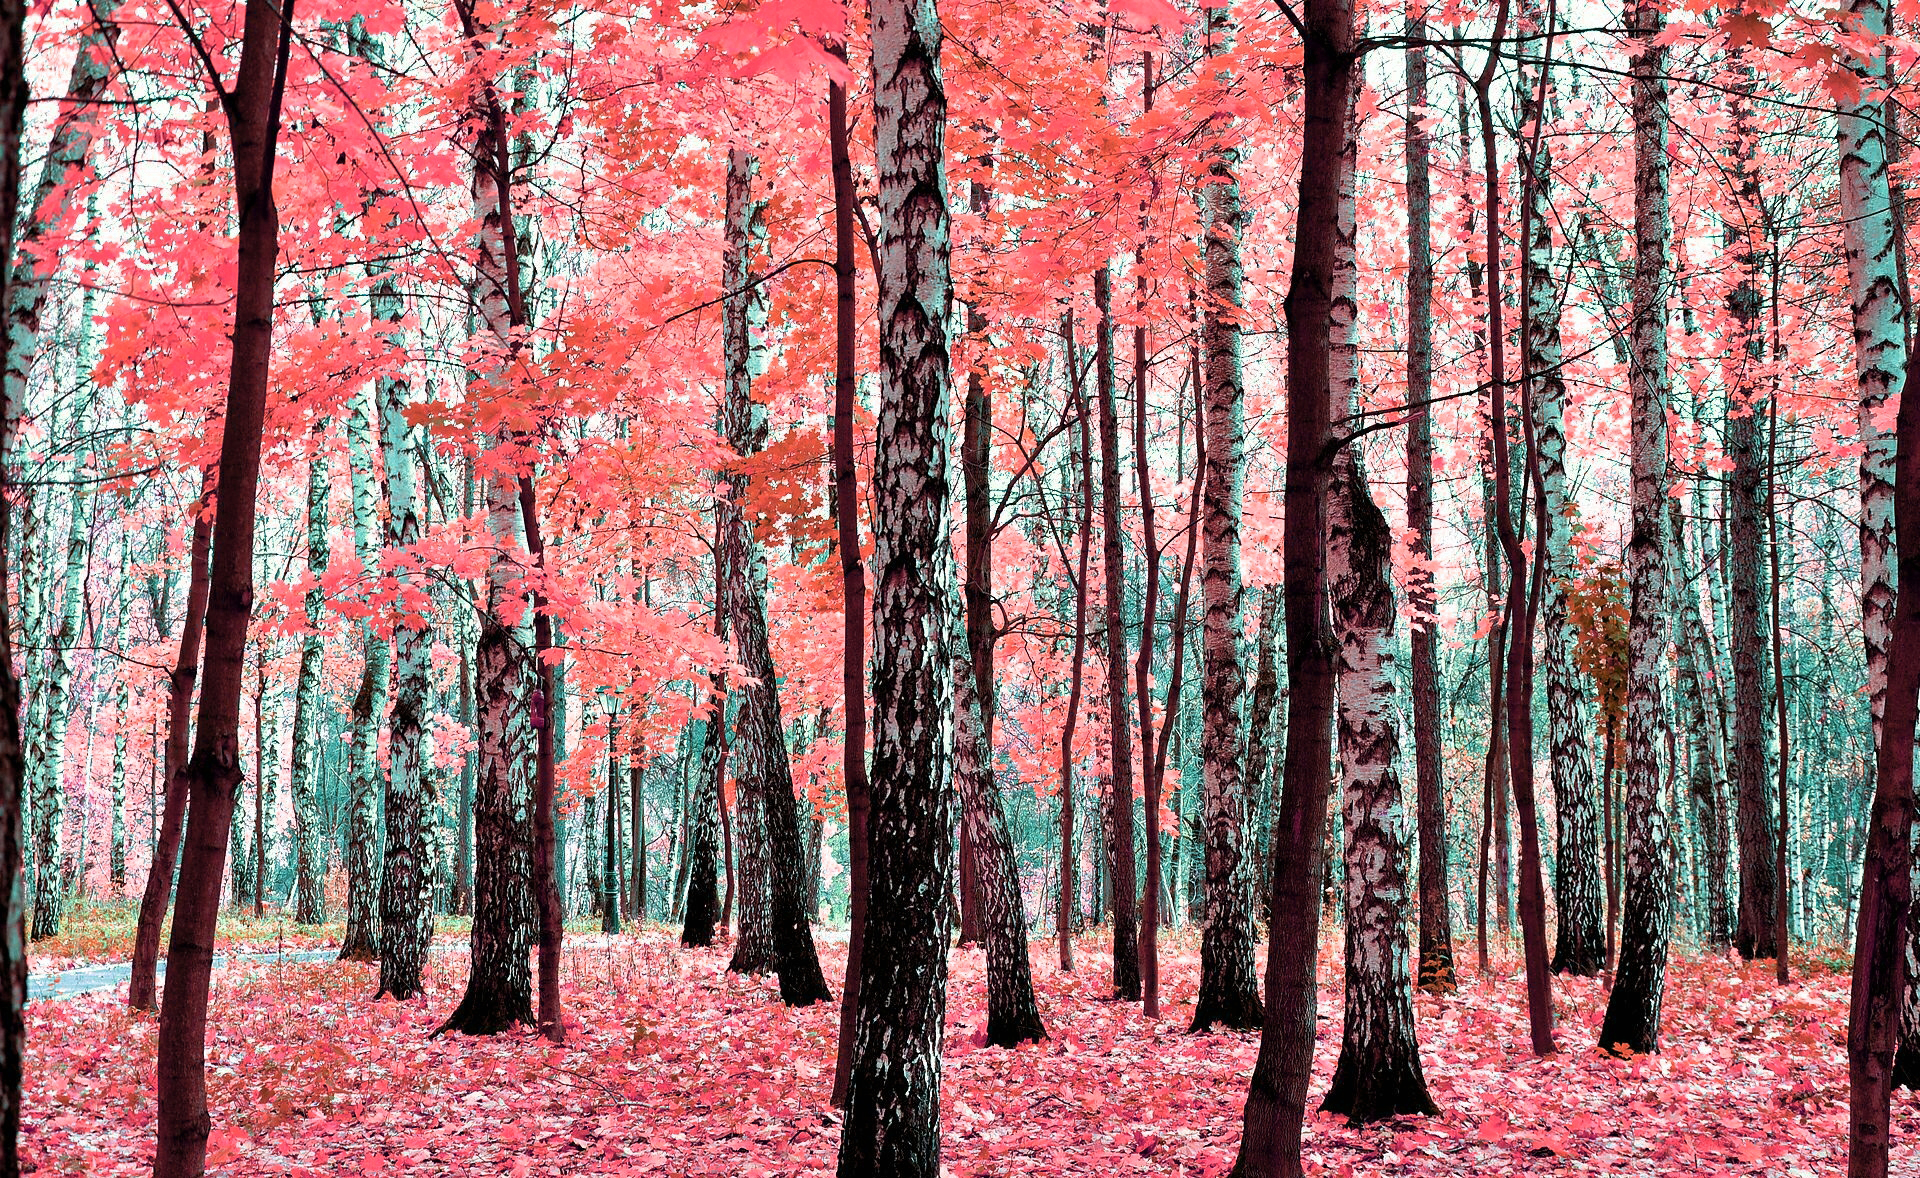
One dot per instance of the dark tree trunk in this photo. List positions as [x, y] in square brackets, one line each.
[252, 107]
[765, 776]
[1436, 972]
[1276, 1097]
[13, 914]
[1228, 996]
[1012, 1015]
[499, 992]
[1633, 1009]
[1150, 908]
[1122, 884]
[853, 578]
[461, 902]
[1757, 934]
[892, 1122]
[142, 988]
[1261, 739]
[703, 880]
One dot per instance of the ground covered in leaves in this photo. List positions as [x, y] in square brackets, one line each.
[674, 1067]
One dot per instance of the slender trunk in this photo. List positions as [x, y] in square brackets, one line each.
[1276, 1098]
[406, 879]
[1228, 995]
[361, 942]
[1633, 1008]
[252, 106]
[1704, 772]
[1149, 609]
[853, 576]
[1261, 739]
[461, 902]
[142, 988]
[46, 749]
[1579, 942]
[310, 866]
[13, 916]
[1436, 971]
[610, 890]
[765, 777]
[1068, 886]
[892, 1122]
[1012, 1015]
[1120, 860]
[703, 885]
[1378, 1076]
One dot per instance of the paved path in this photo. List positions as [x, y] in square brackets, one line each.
[91, 979]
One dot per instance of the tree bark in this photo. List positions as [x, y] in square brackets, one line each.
[1120, 860]
[406, 882]
[252, 108]
[1012, 1015]
[1276, 1097]
[1436, 971]
[1228, 995]
[1633, 1009]
[1579, 941]
[1378, 1075]
[893, 1099]
[764, 779]
[142, 987]
[1758, 934]
[13, 898]
[361, 941]
[1068, 886]
[1882, 363]
[853, 574]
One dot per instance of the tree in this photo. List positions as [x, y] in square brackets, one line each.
[252, 109]
[892, 1123]
[765, 775]
[309, 857]
[13, 897]
[1276, 1097]
[1633, 1010]
[1228, 994]
[1378, 1076]
[1436, 973]
[1126, 947]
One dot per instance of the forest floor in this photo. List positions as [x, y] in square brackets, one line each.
[674, 1067]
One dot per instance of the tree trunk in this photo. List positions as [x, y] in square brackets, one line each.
[1012, 1015]
[1378, 1076]
[1150, 907]
[765, 777]
[1869, 235]
[703, 884]
[46, 749]
[361, 942]
[1579, 942]
[13, 916]
[1704, 773]
[1436, 974]
[1120, 861]
[406, 881]
[892, 1122]
[1228, 993]
[1758, 934]
[853, 575]
[309, 857]
[252, 106]
[1633, 1009]
[1276, 1097]
[142, 988]
[1261, 739]
[1068, 861]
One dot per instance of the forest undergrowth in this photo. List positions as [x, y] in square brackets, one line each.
[672, 1066]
